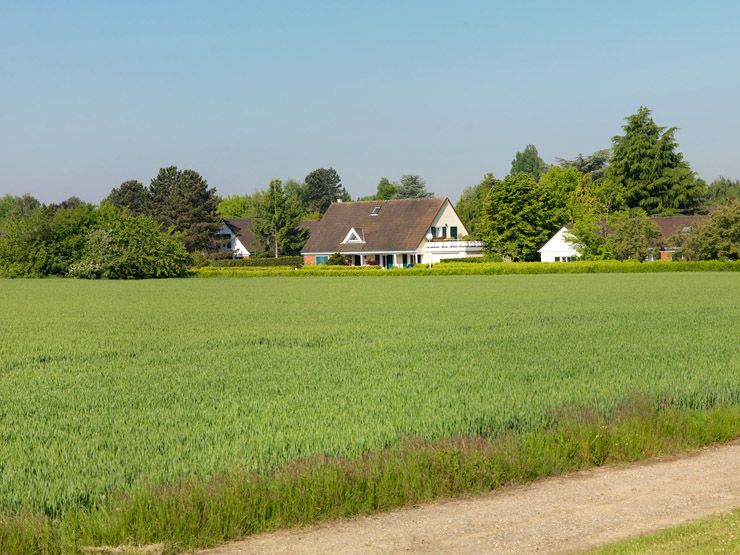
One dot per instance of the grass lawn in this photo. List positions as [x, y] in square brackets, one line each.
[105, 386]
[720, 534]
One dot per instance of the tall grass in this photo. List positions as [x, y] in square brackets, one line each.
[237, 503]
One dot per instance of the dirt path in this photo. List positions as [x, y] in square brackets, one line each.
[556, 515]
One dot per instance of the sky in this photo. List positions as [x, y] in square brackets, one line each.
[95, 93]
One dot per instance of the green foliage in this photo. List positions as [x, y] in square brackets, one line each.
[528, 161]
[190, 210]
[478, 266]
[324, 186]
[135, 412]
[44, 243]
[386, 190]
[519, 216]
[470, 205]
[236, 206]
[337, 259]
[132, 195]
[634, 237]
[17, 206]
[124, 245]
[723, 190]
[283, 261]
[276, 222]
[717, 238]
[412, 186]
[594, 164]
[646, 170]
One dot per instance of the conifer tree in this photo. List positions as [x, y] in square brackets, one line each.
[646, 170]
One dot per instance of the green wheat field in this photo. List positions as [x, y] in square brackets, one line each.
[105, 386]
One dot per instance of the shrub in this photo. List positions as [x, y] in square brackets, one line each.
[337, 259]
[127, 246]
[292, 261]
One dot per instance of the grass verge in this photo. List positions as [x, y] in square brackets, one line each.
[479, 268]
[719, 534]
[237, 503]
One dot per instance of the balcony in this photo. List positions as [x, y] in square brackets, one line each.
[443, 245]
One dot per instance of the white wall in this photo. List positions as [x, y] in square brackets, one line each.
[448, 217]
[558, 246]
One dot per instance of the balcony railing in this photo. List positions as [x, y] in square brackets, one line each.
[439, 244]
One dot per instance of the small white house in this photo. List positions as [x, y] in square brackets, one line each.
[237, 237]
[559, 248]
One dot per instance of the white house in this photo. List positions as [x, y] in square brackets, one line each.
[390, 233]
[237, 236]
[558, 248]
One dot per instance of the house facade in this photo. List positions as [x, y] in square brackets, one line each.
[395, 233]
[236, 235]
[560, 249]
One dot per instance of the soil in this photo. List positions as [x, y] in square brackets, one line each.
[565, 514]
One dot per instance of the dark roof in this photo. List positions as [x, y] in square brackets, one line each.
[242, 228]
[400, 225]
[670, 225]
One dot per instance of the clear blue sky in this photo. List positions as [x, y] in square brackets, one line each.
[94, 93]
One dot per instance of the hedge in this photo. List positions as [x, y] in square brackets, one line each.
[291, 261]
[482, 268]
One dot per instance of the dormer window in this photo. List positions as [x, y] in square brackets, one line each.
[353, 237]
[375, 211]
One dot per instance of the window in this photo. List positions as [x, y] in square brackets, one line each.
[443, 232]
[375, 211]
[353, 237]
[453, 232]
[433, 231]
[418, 259]
[557, 259]
[322, 259]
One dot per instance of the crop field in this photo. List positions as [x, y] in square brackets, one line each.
[105, 386]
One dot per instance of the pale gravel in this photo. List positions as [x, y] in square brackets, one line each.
[556, 515]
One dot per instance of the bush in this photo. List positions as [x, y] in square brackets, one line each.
[337, 259]
[127, 246]
[293, 261]
[45, 242]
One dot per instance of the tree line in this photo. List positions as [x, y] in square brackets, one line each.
[605, 197]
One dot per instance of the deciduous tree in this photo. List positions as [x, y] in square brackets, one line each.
[132, 195]
[528, 161]
[518, 217]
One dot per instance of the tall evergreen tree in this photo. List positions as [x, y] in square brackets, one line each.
[412, 186]
[189, 208]
[276, 224]
[159, 191]
[528, 161]
[646, 170]
[132, 195]
[324, 186]
[518, 217]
